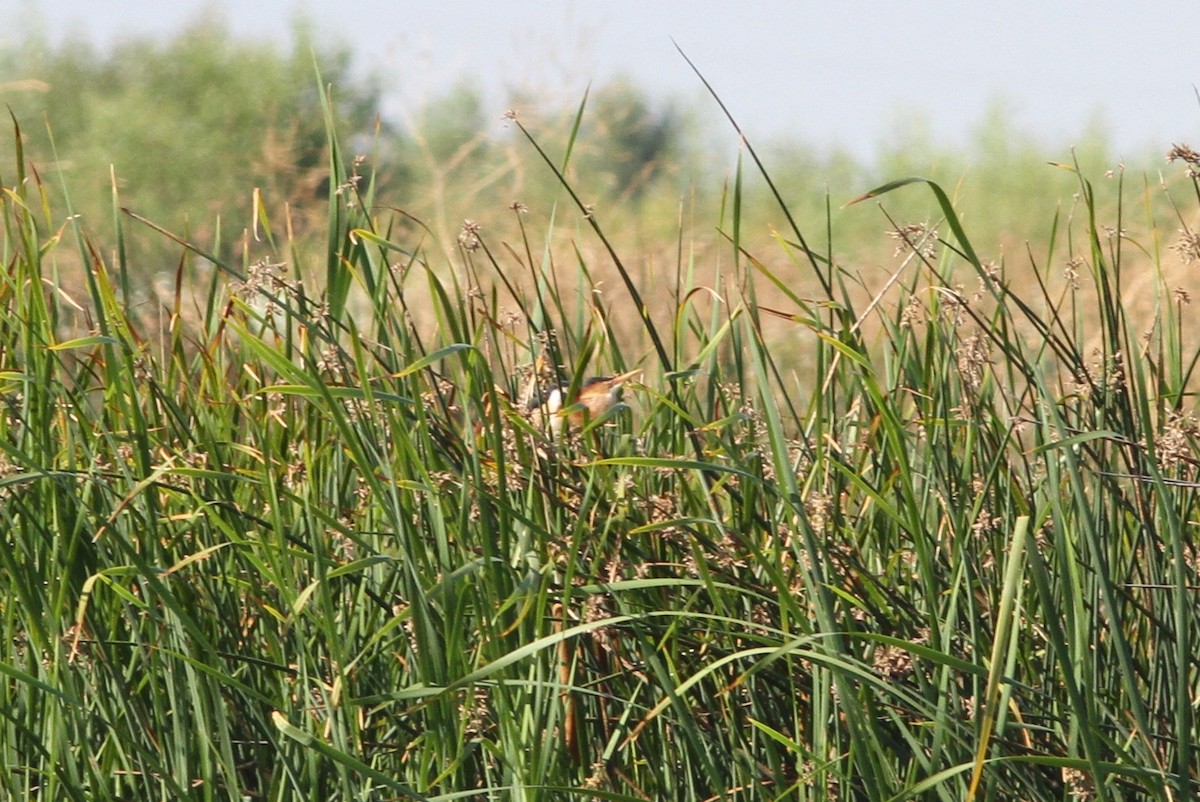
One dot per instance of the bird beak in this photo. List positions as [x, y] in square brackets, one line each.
[617, 381]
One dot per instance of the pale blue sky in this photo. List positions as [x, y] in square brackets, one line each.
[826, 73]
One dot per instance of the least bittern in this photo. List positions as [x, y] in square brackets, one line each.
[596, 396]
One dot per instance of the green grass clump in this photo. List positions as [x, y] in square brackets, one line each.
[272, 542]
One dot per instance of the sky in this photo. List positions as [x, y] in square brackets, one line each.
[831, 75]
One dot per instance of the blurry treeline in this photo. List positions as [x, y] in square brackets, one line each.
[190, 126]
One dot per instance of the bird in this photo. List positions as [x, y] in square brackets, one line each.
[596, 396]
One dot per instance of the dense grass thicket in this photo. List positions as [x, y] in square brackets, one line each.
[264, 537]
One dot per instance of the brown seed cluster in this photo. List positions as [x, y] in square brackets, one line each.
[1183, 152]
[1188, 246]
[919, 238]
[913, 313]
[1175, 443]
[974, 357]
[468, 237]
[1079, 784]
[1074, 268]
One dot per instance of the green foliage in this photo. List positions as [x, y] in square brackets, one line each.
[450, 125]
[635, 145]
[291, 544]
[193, 124]
[189, 126]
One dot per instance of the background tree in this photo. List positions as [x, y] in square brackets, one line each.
[189, 126]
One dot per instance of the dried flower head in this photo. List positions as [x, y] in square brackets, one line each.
[1174, 444]
[1183, 153]
[974, 355]
[921, 238]
[953, 307]
[1079, 783]
[986, 523]
[264, 275]
[1188, 246]
[913, 313]
[598, 778]
[330, 362]
[1075, 266]
[818, 506]
[892, 662]
[468, 238]
[351, 183]
[1115, 374]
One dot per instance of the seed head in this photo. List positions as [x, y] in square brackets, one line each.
[468, 238]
